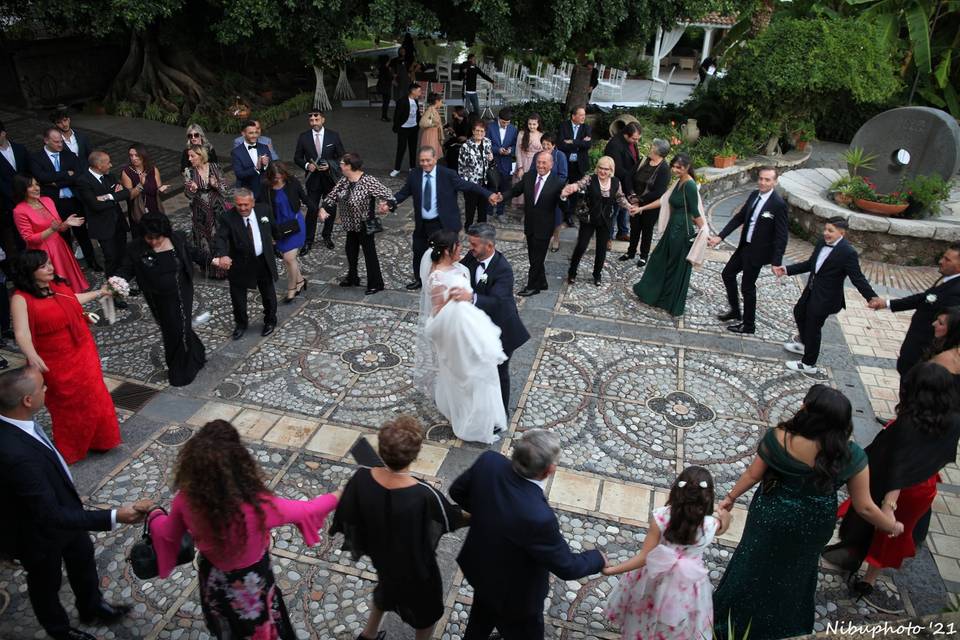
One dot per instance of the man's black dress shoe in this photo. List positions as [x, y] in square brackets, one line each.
[105, 613]
[625, 257]
[742, 328]
[642, 262]
[529, 292]
[413, 286]
[728, 316]
[73, 634]
[268, 329]
[305, 249]
[596, 282]
[372, 290]
[328, 243]
[238, 332]
[347, 282]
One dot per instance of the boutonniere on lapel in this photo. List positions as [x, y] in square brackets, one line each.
[264, 219]
[766, 214]
[482, 279]
[931, 298]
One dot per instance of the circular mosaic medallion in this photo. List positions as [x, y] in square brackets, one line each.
[681, 409]
[370, 358]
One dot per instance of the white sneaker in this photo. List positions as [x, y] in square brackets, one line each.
[797, 365]
[794, 347]
[394, 173]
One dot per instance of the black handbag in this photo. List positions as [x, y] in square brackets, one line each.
[288, 228]
[143, 557]
[492, 178]
[373, 224]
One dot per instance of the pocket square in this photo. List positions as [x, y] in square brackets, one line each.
[766, 214]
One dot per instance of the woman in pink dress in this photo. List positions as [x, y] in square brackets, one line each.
[223, 501]
[40, 225]
[527, 148]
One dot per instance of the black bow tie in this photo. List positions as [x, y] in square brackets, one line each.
[251, 146]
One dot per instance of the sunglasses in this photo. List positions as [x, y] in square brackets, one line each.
[193, 135]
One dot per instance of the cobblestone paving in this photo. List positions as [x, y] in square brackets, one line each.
[634, 395]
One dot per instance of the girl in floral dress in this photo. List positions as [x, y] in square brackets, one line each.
[667, 593]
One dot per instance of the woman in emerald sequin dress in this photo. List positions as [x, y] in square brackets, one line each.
[772, 577]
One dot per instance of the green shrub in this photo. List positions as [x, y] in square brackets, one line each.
[126, 109]
[551, 113]
[154, 111]
[926, 193]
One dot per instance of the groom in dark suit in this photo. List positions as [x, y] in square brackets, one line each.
[944, 293]
[491, 277]
[514, 541]
[250, 159]
[46, 525]
[244, 246]
[762, 241]
[435, 204]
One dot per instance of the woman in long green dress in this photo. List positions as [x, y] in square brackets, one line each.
[771, 579]
[667, 277]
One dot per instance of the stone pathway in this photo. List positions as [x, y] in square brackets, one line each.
[634, 394]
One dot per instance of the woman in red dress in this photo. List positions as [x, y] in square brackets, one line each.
[52, 333]
[40, 225]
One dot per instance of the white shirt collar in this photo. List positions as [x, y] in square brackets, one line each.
[949, 278]
[319, 133]
[486, 263]
[540, 483]
[95, 174]
[764, 196]
[25, 425]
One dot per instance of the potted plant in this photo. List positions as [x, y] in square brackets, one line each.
[856, 159]
[802, 134]
[926, 193]
[725, 157]
[867, 199]
[843, 189]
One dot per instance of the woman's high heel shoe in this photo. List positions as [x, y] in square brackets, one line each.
[290, 298]
[301, 286]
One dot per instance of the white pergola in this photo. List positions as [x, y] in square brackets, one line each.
[666, 40]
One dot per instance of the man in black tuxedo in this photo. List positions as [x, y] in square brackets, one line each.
[244, 246]
[406, 124]
[250, 159]
[435, 204]
[832, 261]
[13, 160]
[73, 140]
[46, 525]
[514, 541]
[575, 141]
[101, 194]
[763, 240]
[56, 170]
[623, 149]
[318, 152]
[491, 278]
[944, 293]
[541, 191]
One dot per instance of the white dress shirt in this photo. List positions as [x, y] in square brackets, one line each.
[412, 116]
[254, 157]
[71, 142]
[255, 227]
[29, 427]
[98, 177]
[318, 143]
[757, 208]
[503, 135]
[576, 130]
[7, 152]
[824, 254]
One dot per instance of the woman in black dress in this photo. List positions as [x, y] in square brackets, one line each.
[161, 263]
[397, 520]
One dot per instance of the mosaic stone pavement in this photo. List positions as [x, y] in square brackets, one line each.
[634, 395]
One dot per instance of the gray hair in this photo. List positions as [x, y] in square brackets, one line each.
[242, 192]
[96, 157]
[14, 386]
[535, 452]
[195, 128]
[484, 231]
[426, 148]
[546, 154]
[660, 146]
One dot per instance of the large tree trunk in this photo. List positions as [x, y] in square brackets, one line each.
[761, 17]
[146, 77]
[579, 89]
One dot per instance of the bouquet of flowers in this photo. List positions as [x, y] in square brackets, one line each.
[118, 287]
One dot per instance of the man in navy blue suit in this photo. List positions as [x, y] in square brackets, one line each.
[13, 160]
[250, 159]
[514, 540]
[435, 204]
[491, 278]
[503, 135]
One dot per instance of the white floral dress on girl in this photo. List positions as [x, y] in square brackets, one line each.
[670, 598]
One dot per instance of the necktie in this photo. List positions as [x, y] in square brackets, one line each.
[536, 192]
[753, 219]
[56, 160]
[250, 234]
[576, 130]
[101, 180]
[427, 193]
[43, 436]
[317, 144]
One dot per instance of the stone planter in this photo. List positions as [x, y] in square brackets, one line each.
[722, 162]
[879, 208]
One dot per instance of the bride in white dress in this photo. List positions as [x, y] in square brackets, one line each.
[459, 348]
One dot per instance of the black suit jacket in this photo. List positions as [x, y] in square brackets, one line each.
[83, 149]
[103, 217]
[579, 146]
[825, 288]
[297, 196]
[618, 148]
[537, 218]
[402, 111]
[51, 180]
[232, 240]
[920, 333]
[41, 501]
[769, 235]
[448, 183]
[514, 541]
[495, 298]
[7, 172]
[247, 174]
[306, 152]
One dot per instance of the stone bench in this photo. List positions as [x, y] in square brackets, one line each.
[894, 240]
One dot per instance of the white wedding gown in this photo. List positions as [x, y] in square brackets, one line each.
[465, 345]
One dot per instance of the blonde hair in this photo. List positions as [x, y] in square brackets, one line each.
[607, 160]
[201, 151]
[195, 128]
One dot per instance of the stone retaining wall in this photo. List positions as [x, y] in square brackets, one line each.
[720, 181]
